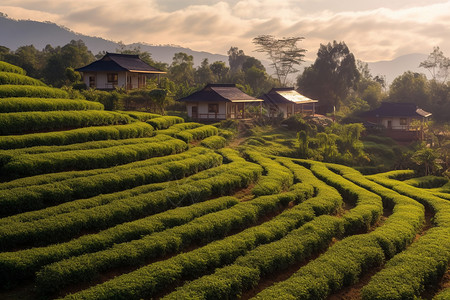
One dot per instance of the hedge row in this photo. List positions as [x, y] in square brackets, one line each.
[425, 261]
[46, 104]
[345, 261]
[32, 121]
[368, 206]
[443, 295]
[18, 79]
[19, 265]
[198, 133]
[164, 122]
[81, 135]
[214, 142]
[276, 179]
[123, 182]
[8, 155]
[7, 91]
[172, 130]
[141, 116]
[34, 164]
[154, 277]
[28, 198]
[229, 282]
[427, 182]
[7, 67]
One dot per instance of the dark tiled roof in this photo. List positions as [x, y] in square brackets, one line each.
[219, 93]
[389, 109]
[286, 95]
[119, 62]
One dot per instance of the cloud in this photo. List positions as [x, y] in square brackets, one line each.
[371, 33]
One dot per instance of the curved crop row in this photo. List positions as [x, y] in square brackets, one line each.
[154, 277]
[276, 179]
[39, 196]
[369, 206]
[7, 67]
[19, 265]
[344, 262]
[172, 130]
[9, 155]
[443, 295]
[164, 122]
[23, 122]
[8, 90]
[425, 261]
[18, 79]
[46, 104]
[34, 164]
[214, 142]
[229, 282]
[141, 116]
[198, 133]
[81, 135]
[427, 182]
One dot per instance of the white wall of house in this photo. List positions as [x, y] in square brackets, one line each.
[396, 123]
[101, 80]
[203, 110]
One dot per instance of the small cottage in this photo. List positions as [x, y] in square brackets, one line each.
[288, 102]
[117, 71]
[397, 120]
[219, 102]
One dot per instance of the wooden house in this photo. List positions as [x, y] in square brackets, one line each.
[219, 102]
[117, 71]
[397, 120]
[287, 101]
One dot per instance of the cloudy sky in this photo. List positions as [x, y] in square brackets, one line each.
[373, 30]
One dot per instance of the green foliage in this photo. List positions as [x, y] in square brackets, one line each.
[164, 122]
[81, 135]
[197, 133]
[35, 121]
[46, 104]
[7, 67]
[214, 142]
[18, 79]
[7, 91]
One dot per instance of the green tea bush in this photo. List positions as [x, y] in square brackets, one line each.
[198, 133]
[141, 116]
[74, 185]
[34, 164]
[214, 142]
[81, 135]
[19, 265]
[8, 90]
[46, 104]
[174, 129]
[7, 67]
[18, 79]
[164, 122]
[23, 122]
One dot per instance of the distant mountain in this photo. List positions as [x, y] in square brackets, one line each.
[16, 33]
[396, 67]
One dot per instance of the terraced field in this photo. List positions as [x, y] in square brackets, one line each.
[129, 205]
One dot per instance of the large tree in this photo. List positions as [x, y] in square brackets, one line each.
[411, 87]
[284, 54]
[437, 64]
[331, 77]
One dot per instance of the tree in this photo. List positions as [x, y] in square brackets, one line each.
[236, 59]
[331, 77]
[411, 87]
[204, 74]
[437, 64]
[283, 53]
[426, 158]
[181, 70]
[220, 70]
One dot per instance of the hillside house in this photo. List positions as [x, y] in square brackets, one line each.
[219, 102]
[118, 71]
[288, 102]
[397, 119]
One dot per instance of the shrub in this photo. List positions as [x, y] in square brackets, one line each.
[18, 79]
[46, 104]
[214, 142]
[164, 122]
[7, 67]
[7, 91]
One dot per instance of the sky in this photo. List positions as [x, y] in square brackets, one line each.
[373, 30]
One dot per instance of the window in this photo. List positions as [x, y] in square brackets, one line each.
[92, 81]
[113, 78]
[213, 108]
[403, 121]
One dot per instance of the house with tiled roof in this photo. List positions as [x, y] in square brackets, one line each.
[118, 71]
[219, 102]
[397, 119]
[287, 101]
